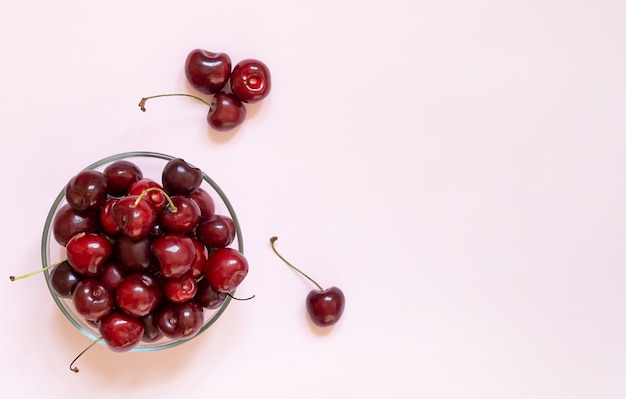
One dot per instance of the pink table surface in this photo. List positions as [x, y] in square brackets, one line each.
[456, 167]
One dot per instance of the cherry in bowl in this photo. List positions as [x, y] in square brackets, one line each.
[137, 269]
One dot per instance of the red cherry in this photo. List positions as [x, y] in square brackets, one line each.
[225, 269]
[324, 306]
[176, 254]
[138, 294]
[226, 113]
[88, 252]
[206, 71]
[121, 332]
[250, 81]
[136, 216]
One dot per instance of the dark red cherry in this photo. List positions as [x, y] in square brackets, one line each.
[107, 221]
[206, 71]
[63, 279]
[151, 191]
[180, 289]
[217, 231]
[86, 191]
[68, 222]
[151, 329]
[134, 256]
[179, 177]
[121, 332]
[120, 175]
[226, 113]
[175, 253]
[138, 294]
[205, 202]
[325, 307]
[225, 269]
[250, 81]
[136, 217]
[184, 219]
[207, 297]
[112, 275]
[180, 320]
[88, 252]
[202, 254]
[92, 299]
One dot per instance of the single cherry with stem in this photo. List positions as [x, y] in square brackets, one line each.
[325, 306]
[226, 111]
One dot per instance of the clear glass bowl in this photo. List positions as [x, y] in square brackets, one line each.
[151, 163]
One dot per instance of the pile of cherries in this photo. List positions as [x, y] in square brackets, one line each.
[249, 81]
[144, 258]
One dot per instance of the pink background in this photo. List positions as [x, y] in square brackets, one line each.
[457, 167]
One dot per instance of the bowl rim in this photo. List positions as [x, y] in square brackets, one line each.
[48, 228]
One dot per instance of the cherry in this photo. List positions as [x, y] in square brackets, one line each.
[250, 81]
[120, 331]
[202, 254]
[225, 269]
[217, 231]
[176, 254]
[135, 216]
[107, 221]
[93, 299]
[324, 306]
[180, 289]
[87, 253]
[184, 219]
[63, 279]
[151, 331]
[120, 175]
[68, 222]
[226, 113]
[86, 191]
[206, 71]
[205, 203]
[180, 320]
[151, 191]
[178, 177]
[138, 294]
[207, 297]
[134, 256]
[112, 275]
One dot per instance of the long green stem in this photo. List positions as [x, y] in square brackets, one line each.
[14, 278]
[272, 241]
[75, 369]
[142, 103]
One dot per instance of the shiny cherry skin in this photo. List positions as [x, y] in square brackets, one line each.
[93, 299]
[251, 81]
[180, 320]
[135, 256]
[226, 112]
[68, 222]
[225, 269]
[205, 203]
[202, 254]
[86, 191]
[217, 231]
[325, 307]
[151, 329]
[63, 279]
[179, 177]
[112, 275]
[88, 252]
[207, 297]
[155, 197]
[180, 289]
[135, 217]
[184, 220]
[138, 294]
[120, 175]
[206, 71]
[107, 221]
[175, 253]
[120, 331]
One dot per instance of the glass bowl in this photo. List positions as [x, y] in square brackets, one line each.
[151, 164]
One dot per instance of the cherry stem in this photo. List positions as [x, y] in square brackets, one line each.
[240, 299]
[142, 103]
[14, 278]
[272, 241]
[147, 190]
[75, 369]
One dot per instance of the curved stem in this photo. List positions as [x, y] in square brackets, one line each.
[142, 103]
[14, 278]
[75, 369]
[167, 197]
[272, 241]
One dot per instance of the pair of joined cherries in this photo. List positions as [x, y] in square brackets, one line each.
[210, 73]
